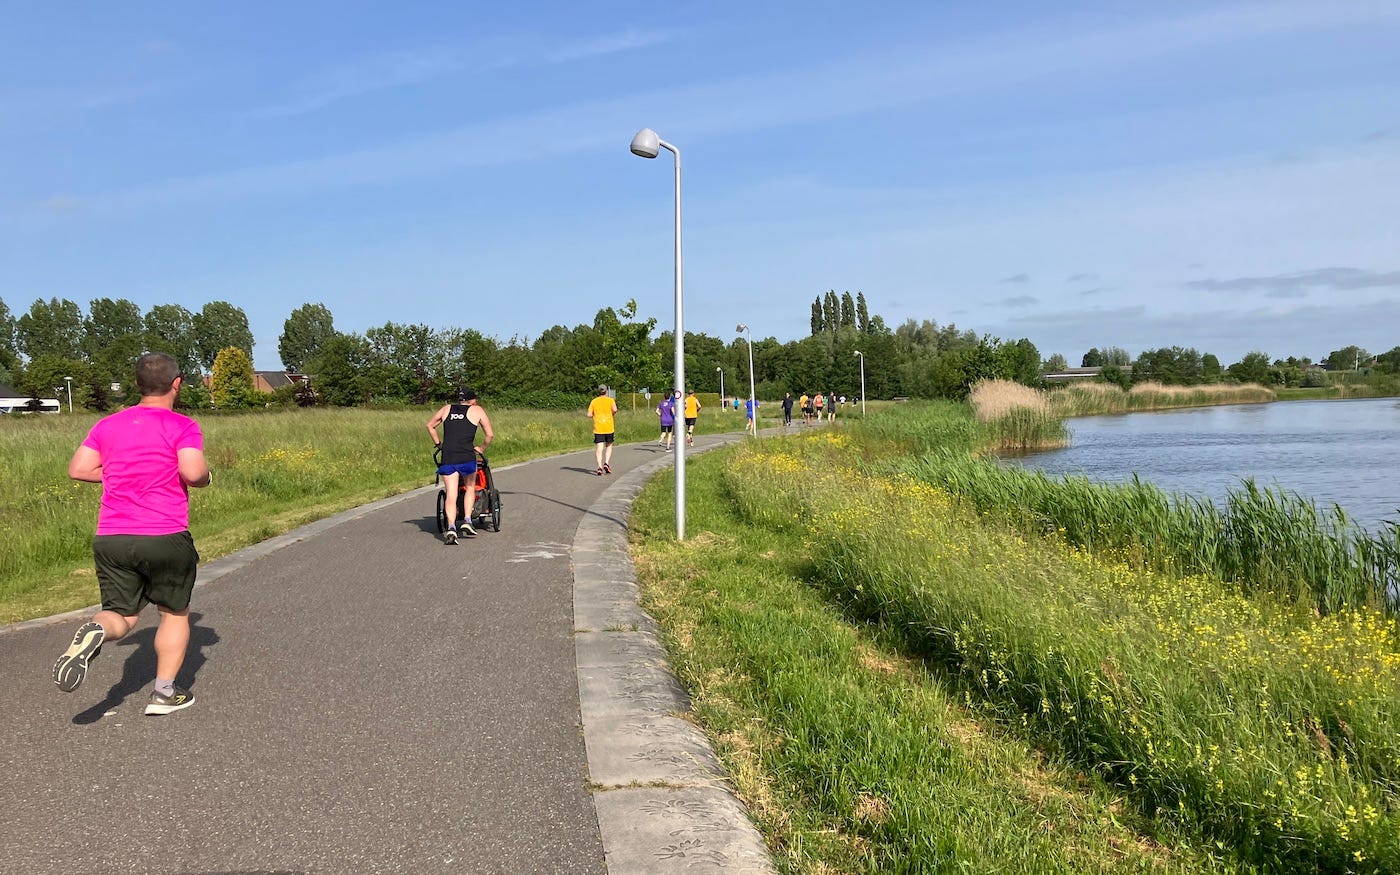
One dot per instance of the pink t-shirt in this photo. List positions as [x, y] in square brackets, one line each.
[142, 493]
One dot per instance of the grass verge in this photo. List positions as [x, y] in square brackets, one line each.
[852, 757]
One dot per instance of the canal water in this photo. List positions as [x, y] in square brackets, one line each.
[1343, 452]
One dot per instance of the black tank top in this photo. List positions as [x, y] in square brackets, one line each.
[458, 436]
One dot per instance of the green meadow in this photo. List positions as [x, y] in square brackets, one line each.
[906, 670]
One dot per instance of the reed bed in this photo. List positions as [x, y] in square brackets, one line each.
[1097, 399]
[1016, 418]
[1255, 721]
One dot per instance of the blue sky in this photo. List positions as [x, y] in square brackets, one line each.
[1217, 175]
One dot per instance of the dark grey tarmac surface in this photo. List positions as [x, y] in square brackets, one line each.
[368, 700]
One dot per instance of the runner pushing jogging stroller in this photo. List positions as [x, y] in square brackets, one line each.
[486, 508]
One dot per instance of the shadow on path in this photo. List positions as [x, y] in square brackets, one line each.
[139, 669]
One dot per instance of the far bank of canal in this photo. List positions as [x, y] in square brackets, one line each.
[1343, 452]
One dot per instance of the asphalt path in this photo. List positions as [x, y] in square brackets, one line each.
[369, 699]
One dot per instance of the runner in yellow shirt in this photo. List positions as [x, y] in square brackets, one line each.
[602, 410]
[692, 413]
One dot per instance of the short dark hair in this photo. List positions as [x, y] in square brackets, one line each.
[155, 371]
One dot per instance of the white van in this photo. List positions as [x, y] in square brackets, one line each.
[29, 405]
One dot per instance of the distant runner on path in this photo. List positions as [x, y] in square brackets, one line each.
[602, 410]
[146, 458]
[666, 411]
[692, 413]
[457, 466]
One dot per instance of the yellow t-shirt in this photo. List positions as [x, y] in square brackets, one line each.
[602, 410]
[692, 407]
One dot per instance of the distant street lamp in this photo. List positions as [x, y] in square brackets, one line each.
[69, 381]
[721, 387]
[753, 402]
[862, 381]
[648, 145]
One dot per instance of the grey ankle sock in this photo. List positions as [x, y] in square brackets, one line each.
[165, 688]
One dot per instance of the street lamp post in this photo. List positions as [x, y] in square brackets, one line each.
[862, 381]
[753, 402]
[721, 387]
[69, 381]
[647, 144]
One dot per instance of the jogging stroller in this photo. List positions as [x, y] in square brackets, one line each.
[486, 508]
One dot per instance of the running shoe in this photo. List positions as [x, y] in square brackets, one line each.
[159, 704]
[449, 536]
[599, 472]
[71, 667]
[466, 528]
[607, 469]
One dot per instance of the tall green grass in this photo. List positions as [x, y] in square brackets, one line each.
[852, 757]
[1252, 720]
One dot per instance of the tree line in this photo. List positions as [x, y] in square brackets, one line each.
[415, 363]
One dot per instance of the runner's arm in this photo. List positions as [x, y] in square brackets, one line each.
[194, 470]
[436, 421]
[86, 465]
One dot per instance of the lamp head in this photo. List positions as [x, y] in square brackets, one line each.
[646, 144]
[856, 352]
[741, 328]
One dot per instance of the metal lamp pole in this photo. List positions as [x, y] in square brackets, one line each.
[647, 144]
[69, 381]
[862, 381]
[748, 335]
[721, 387]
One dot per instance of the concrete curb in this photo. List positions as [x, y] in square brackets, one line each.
[661, 795]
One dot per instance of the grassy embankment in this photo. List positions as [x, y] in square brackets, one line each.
[274, 471]
[836, 613]
[1095, 399]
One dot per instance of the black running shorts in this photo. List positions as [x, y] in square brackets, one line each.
[136, 570]
[603, 438]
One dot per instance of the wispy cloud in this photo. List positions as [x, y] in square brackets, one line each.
[1020, 301]
[1096, 290]
[1297, 285]
[1083, 278]
[626, 41]
[1018, 278]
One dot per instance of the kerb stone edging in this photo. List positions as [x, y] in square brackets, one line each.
[661, 795]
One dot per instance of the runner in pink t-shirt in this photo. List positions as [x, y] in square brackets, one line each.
[146, 457]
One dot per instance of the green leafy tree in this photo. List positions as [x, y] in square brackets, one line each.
[862, 314]
[342, 371]
[9, 352]
[1173, 366]
[231, 385]
[1348, 358]
[1253, 368]
[1092, 359]
[51, 328]
[817, 324]
[1019, 361]
[1389, 361]
[831, 311]
[1211, 370]
[1055, 364]
[303, 334]
[170, 329]
[217, 326]
[114, 338]
[848, 310]
[44, 378]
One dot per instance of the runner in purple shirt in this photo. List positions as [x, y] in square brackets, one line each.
[667, 411]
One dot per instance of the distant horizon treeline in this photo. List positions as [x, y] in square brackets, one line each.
[414, 363]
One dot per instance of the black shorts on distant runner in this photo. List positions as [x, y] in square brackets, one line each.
[603, 438]
[136, 570]
[690, 421]
[666, 429]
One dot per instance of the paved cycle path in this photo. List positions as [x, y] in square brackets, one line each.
[368, 700]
